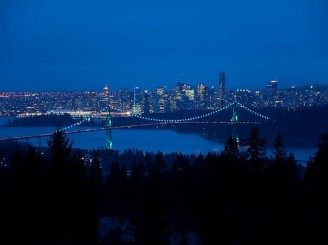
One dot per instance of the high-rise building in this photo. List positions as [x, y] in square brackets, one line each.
[160, 91]
[201, 92]
[222, 82]
[147, 102]
[271, 92]
[105, 89]
[272, 86]
[103, 101]
[221, 88]
[90, 100]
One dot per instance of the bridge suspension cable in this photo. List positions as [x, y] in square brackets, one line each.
[188, 119]
[254, 112]
[198, 117]
[155, 121]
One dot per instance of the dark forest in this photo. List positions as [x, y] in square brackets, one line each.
[234, 197]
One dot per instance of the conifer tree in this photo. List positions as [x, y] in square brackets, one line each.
[231, 149]
[60, 148]
[96, 182]
[316, 174]
[67, 209]
[280, 154]
[256, 152]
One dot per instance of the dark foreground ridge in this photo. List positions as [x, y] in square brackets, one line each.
[62, 195]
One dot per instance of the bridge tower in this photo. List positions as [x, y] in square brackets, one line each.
[108, 124]
[109, 143]
[234, 120]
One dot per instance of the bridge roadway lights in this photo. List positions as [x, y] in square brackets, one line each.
[109, 143]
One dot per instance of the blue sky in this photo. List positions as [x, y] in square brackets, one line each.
[83, 45]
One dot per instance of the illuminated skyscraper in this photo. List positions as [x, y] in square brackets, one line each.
[103, 101]
[222, 82]
[105, 89]
[221, 88]
[272, 86]
[147, 102]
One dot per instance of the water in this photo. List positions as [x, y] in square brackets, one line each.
[151, 140]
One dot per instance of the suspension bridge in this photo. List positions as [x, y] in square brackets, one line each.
[149, 121]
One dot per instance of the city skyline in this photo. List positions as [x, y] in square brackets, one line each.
[82, 45]
[179, 98]
[171, 86]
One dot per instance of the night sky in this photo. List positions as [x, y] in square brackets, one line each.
[84, 45]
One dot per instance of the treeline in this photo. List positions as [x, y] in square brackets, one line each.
[235, 196]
